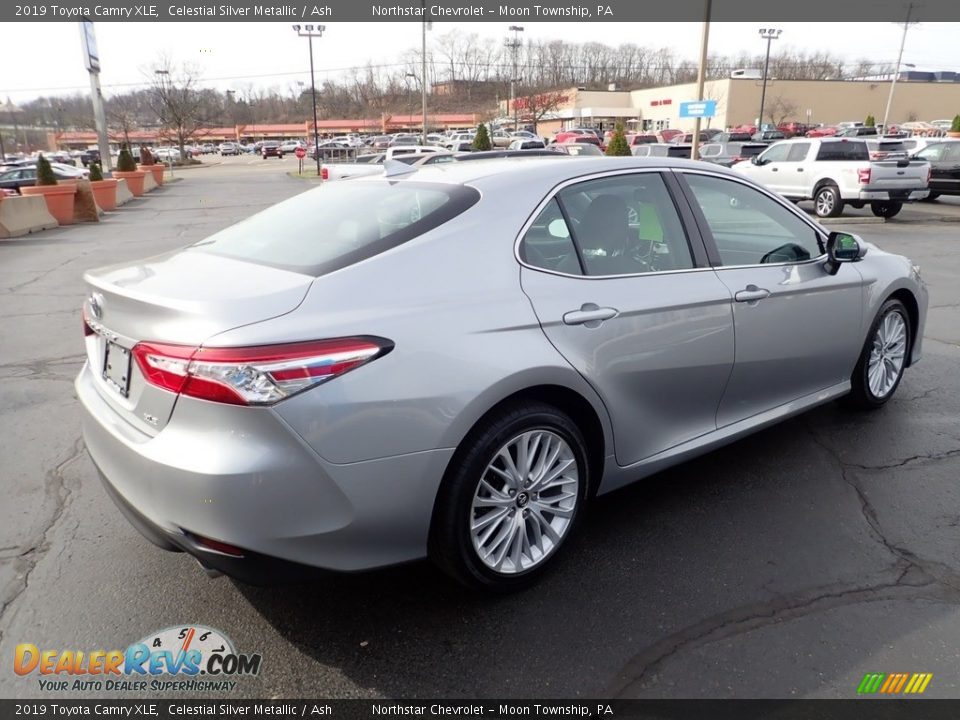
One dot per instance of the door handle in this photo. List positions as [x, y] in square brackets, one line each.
[751, 293]
[590, 315]
[774, 169]
[799, 169]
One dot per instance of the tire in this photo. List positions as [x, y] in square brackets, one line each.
[455, 541]
[863, 394]
[827, 201]
[932, 197]
[885, 208]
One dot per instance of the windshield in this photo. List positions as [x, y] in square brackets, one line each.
[339, 224]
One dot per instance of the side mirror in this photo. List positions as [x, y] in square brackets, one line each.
[757, 160]
[843, 248]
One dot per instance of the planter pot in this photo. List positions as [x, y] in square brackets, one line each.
[156, 169]
[134, 180]
[105, 193]
[953, 134]
[59, 199]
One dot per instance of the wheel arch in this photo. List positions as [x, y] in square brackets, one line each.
[909, 300]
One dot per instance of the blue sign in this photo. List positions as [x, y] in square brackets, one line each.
[698, 108]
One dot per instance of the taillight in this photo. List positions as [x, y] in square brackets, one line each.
[863, 176]
[253, 375]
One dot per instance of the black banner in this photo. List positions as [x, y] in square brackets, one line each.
[321, 11]
[862, 709]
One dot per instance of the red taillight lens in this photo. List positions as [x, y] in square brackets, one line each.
[87, 329]
[863, 176]
[253, 375]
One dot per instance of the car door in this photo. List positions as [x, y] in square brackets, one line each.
[936, 155]
[768, 169]
[630, 301]
[792, 178]
[950, 172]
[797, 327]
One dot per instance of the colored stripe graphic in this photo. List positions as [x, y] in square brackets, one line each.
[894, 683]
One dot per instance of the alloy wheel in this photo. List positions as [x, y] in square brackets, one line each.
[888, 354]
[525, 501]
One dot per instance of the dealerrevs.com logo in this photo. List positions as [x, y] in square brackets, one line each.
[187, 658]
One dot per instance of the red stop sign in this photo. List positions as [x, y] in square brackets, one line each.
[300, 153]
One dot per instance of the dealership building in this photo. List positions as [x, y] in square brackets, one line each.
[738, 103]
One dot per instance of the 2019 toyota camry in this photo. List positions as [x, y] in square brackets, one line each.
[451, 361]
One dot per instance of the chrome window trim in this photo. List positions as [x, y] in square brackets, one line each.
[786, 204]
[585, 178]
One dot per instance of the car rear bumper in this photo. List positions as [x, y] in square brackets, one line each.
[241, 476]
[894, 195]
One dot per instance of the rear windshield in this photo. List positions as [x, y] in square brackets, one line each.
[843, 150]
[339, 224]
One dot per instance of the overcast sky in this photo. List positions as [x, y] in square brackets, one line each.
[270, 54]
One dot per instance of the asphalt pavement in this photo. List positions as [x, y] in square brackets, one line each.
[786, 565]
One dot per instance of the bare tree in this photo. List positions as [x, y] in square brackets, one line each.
[537, 106]
[176, 100]
[781, 109]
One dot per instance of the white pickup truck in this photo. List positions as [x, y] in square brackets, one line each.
[373, 165]
[834, 172]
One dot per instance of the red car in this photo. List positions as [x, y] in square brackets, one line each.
[641, 139]
[826, 131]
[668, 134]
[793, 129]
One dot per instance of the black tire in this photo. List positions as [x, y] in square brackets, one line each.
[886, 208]
[827, 201]
[451, 545]
[932, 197]
[861, 396]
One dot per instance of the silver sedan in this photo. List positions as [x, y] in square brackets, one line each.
[451, 361]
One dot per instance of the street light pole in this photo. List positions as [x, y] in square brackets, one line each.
[701, 77]
[423, 69]
[769, 34]
[514, 46]
[310, 32]
[896, 71]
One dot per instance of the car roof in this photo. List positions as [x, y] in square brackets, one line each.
[538, 169]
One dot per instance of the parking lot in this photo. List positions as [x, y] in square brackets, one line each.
[788, 564]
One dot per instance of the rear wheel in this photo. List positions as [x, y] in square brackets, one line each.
[883, 358]
[827, 201]
[885, 208]
[512, 497]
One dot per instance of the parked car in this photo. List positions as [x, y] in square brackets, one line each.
[793, 129]
[501, 138]
[91, 155]
[886, 149]
[207, 149]
[733, 136]
[167, 154]
[768, 136]
[360, 422]
[662, 150]
[834, 172]
[530, 154]
[576, 149]
[290, 146]
[271, 148]
[857, 131]
[730, 153]
[526, 144]
[641, 139]
[229, 148]
[15, 178]
[944, 159]
[822, 131]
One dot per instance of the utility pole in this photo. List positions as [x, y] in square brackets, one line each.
[92, 62]
[769, 34]
[896, 70]
[310, 32]
[423, 68]
[701, 76]
[514, 46]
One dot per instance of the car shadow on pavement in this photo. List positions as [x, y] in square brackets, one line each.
[765, 530]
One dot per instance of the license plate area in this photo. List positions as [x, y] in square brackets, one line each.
[116, 368]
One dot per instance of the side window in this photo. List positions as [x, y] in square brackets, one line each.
[933, 153]
[626, 224]
[749, 227]
[952, 152]
[547, 244]
[798, 152]
[776, 153]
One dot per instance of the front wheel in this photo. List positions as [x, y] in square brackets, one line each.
[512, 496]
[827, 201]
[886, 209]
[883, 358]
